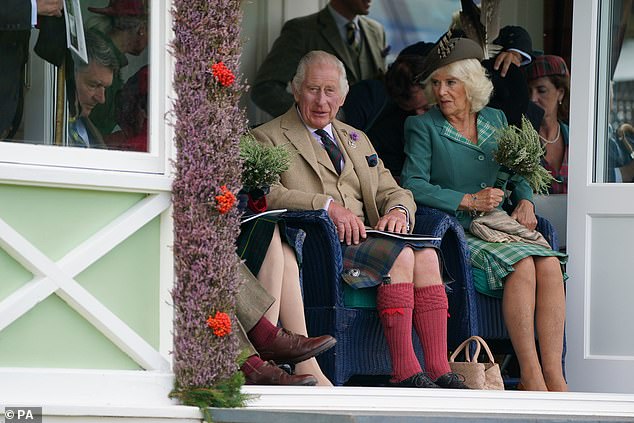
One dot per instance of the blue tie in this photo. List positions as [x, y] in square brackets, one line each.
[331, 148]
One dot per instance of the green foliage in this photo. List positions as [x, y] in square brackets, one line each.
[262, 164]
[520, 151]
[224, 394]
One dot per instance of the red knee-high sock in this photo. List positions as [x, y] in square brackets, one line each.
[395, 303]
[430, 322]
[263, 333]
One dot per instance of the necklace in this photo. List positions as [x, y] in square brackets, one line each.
[554, 140]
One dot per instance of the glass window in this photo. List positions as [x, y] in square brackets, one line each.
[408, 21]
[79, 80]
[614, 153]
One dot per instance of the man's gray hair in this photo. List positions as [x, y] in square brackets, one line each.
[99, 51]
[319, 57]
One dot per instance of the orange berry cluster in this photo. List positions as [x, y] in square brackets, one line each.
[222, 74]
[220, 323]
[226, 200]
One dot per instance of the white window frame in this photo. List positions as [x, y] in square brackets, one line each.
[37, 164]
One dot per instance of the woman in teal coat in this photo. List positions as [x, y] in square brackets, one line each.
[449, 165]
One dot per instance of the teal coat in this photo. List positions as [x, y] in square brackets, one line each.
[441, 166]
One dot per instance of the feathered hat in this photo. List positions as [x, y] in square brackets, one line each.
[470, 41]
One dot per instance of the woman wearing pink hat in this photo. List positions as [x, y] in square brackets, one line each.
[549, 87]
[124, 25]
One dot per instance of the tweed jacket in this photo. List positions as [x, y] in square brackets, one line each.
[440, 167]
[301, 35]
[302, 187]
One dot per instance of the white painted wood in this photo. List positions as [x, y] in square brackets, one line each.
[60, 177]
[24, 299]
[114, 233]
[63, 272]
[445, 401]
[588, 201]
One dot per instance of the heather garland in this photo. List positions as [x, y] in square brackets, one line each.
[208, 126]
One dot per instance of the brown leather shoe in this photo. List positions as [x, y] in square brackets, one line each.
[270, 374]
[289, 347]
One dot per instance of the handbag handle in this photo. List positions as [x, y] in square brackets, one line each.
[479, 342]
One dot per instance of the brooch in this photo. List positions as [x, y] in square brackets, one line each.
[353, 137]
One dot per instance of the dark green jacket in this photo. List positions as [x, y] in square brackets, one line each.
[440, 169]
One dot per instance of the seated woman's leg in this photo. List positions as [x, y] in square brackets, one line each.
[550, 314]
[280, 277]
[271, 274]
[518, 308]
[292, 312]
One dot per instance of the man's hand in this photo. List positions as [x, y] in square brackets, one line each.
[349, 227]
[49, 7]
[504, 59]
[524, 213]
[394, 221]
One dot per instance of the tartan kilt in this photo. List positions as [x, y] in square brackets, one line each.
[254, 239]
[365, 264]
[495, 260]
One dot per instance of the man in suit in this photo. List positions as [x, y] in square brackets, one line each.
[92, 79]
[337, 169]
[361, 48]
[17, 18]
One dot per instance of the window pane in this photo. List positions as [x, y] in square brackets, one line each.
[614, 152]
[49, 95]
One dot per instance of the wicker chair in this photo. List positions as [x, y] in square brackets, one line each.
[331, 307]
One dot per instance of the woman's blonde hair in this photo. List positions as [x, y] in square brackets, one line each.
[477, 84]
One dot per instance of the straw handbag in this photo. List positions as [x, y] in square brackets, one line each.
[477, 375]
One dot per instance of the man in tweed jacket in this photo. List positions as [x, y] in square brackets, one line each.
[324, 30]
[335, 168]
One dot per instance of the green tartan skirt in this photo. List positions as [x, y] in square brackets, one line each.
[254, 239]
[493, 261]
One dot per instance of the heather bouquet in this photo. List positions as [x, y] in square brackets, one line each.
[261, 168]
[261, 164]
[519, 153]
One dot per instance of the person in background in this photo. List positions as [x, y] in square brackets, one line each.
[450, 166]
[123, 24]
[380, 108]
[92, 80]
[17, 18]
[549, 84]
[342, 29]
[131, 107]
[337, 169]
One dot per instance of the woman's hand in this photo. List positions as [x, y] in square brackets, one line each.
[524, 213]
[394, 221]
[484, 200]
[350, 228]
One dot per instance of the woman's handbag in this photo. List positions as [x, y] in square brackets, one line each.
[477, 375]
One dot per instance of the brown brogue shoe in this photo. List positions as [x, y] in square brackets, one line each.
[289, 347]
[270, 374]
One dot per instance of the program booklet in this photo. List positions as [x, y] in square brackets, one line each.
[246, 216]
[409, 237]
